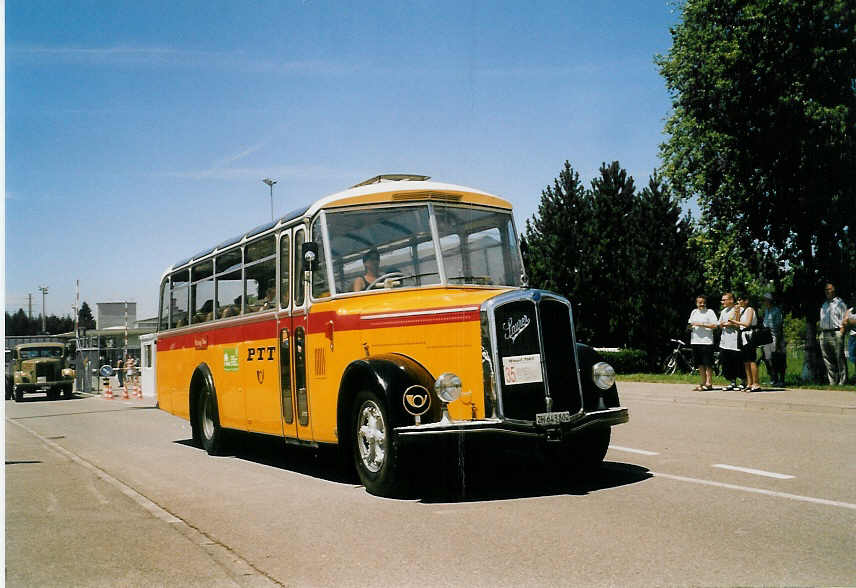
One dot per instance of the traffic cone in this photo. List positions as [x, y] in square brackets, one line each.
[108, 391]
[125, 390]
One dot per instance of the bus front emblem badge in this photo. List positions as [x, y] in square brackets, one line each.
[417, 401]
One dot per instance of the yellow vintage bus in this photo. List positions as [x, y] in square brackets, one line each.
[392, 313]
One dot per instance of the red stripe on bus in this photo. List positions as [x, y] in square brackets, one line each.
[318, 323]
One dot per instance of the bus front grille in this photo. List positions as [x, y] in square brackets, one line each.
[533, 346]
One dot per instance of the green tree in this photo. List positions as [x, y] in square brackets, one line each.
[762, 133]
[557, 236]
[84, 317]
[621, 257]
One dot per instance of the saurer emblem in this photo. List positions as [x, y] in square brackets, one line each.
[514, 328]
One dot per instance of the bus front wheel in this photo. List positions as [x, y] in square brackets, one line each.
[374, 455]
[208, 423]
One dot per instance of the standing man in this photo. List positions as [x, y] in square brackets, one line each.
[832, 336]
[702, 323]
[729, 351]
[774, 353]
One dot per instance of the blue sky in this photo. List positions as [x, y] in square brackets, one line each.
[138, 133]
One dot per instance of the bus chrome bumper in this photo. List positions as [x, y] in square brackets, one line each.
[503, 428]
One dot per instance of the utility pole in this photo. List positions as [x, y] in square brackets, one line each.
[30, 306]
[44, 290]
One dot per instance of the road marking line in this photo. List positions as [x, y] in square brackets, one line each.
[631, 450]
[725, 466]
[757, 491]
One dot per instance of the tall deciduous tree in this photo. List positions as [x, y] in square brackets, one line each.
[762, 131]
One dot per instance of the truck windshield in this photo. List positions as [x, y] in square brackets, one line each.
[478, 246]
[37, 352]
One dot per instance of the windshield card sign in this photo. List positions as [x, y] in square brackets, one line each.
[522, 369]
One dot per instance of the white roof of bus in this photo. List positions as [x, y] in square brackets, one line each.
[378, 185]
[386, 186]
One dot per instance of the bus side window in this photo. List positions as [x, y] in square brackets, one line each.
[299, 287]
[283, 271]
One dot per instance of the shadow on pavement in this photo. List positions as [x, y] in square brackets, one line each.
[505, 475]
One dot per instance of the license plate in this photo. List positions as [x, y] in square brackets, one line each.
[41, 379]
[553, 418]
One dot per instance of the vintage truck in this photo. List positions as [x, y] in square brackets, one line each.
[39, 367]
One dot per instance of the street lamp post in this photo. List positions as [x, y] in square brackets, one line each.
[44, 290]
[270, 183]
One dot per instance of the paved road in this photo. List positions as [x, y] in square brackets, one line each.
[696, 491]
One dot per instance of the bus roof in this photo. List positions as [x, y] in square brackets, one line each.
[379, 189]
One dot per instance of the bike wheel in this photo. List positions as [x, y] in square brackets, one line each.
[670, 364]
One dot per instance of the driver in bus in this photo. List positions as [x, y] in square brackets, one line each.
[371, 262]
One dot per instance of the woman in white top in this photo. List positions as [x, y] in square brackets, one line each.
[749, 354]
[702, 322]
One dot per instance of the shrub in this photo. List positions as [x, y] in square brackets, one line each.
[627, 361]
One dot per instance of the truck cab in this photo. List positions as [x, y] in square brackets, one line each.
[40, 367]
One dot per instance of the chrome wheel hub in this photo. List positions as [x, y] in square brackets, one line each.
[207, 419]
[371, 437]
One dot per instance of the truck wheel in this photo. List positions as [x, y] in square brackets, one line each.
[208, 422]
[53, 393]
[68, 391]
[374, 455]
[19, 394]
[8, 390]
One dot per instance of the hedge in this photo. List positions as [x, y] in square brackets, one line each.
[627, 361]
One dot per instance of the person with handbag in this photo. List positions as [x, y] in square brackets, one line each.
[746, 319]
[729, 352]
[774, 353]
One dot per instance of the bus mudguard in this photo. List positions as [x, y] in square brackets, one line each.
[592, 395]
[391, 376]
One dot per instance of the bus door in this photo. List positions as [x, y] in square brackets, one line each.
[295, 393]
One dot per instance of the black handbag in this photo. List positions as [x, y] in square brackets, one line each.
[761, 336]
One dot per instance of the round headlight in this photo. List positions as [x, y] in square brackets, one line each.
[448, 387]
[603, 375]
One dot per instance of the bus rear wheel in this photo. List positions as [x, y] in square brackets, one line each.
[208, 423]
[374, 455]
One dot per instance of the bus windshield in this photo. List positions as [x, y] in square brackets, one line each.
[477, 246]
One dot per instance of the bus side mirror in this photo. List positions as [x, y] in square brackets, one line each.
[524, 253]
[309, 253]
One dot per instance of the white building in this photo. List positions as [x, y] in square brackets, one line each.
[112, 314]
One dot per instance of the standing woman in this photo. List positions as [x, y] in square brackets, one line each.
[748, 353]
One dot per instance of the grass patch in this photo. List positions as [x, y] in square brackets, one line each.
[793, 376]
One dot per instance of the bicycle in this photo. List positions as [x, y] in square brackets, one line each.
[680, 359]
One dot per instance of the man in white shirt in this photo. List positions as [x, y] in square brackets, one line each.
[832, 336]
[702, 323]
[729, 351]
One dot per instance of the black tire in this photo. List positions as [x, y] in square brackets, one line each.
[590, 449]
[375, 457]
[53, 393]
[68, 391]
[208, 423]
[9, 388]
[19, 394]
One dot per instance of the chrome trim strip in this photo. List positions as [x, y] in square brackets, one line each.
[418, 313]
